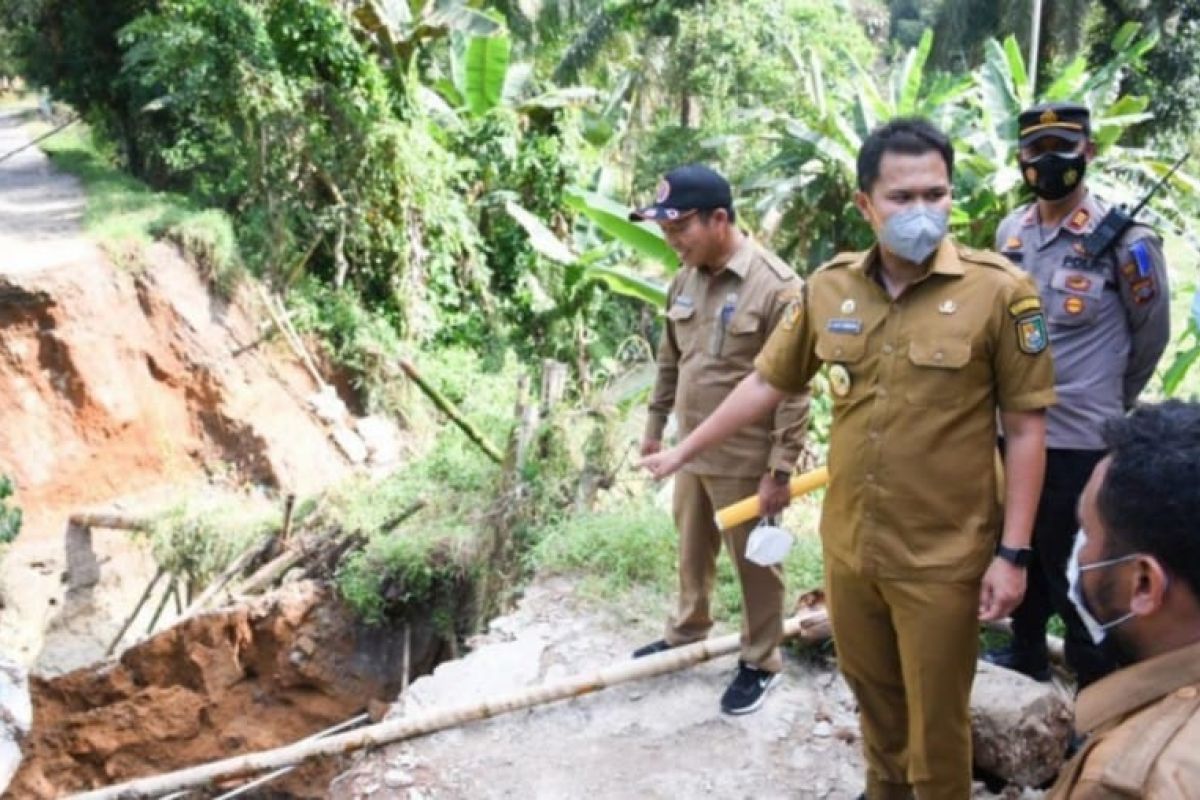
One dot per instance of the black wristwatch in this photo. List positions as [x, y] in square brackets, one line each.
[781, 476]
[1017, 556]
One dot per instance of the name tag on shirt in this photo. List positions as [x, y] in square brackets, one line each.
[844, 325]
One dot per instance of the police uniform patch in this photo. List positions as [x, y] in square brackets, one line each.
[1078, 220]
[1024, 306]
[1074, 305]
[1031, 333]
[1013, 243]
[844, 325]
[1143, 291]
[1141, 256]
[1079, 283]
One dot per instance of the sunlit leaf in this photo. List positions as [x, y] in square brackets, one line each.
[613, 218]
[541, 238]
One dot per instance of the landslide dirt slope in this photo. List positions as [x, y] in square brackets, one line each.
[117, 381]
[230, 682]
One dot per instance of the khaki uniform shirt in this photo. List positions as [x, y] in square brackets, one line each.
[1107, 317]
[917, 381]
[1143, 724]
[716, 324]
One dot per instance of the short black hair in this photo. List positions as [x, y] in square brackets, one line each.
[912, 136]
[705, 214]
[1149, 501]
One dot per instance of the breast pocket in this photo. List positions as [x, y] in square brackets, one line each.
[743, 339]
[1074, 298]
[937, 370]
[685, 325]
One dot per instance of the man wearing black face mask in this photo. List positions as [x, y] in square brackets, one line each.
[1135, 578]
[1107, 319]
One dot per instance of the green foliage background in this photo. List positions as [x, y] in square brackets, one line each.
[450, 179]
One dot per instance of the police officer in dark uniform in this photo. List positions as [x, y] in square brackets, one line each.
[1107, 319]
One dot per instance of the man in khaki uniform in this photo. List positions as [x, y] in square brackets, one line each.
[721, 306]
[1135, 581]
[924, 341]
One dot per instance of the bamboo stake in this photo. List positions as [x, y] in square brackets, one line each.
[808, 623]
[269, 573]
[229, 574]
[289, 506]
[162, 604]
[450, 411]
[137, 610]
[296, 345]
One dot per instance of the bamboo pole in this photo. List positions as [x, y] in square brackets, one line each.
[162, 605]
[279, 773]
[116, 522]
[810, 623]
[297, 346]
[136, 610]
[229, 574]
[747, 508]
[450, 411]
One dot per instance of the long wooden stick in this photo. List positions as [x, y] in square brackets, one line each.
[808, 623]
[136, 610]
[117, 522]
[229, 574]
[451, 411]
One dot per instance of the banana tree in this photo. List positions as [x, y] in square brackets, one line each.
[595, 264]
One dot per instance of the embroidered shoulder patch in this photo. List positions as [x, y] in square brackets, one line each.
[1024, 306]
[1031, 333]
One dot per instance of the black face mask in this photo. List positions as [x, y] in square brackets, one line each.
[1053, 176]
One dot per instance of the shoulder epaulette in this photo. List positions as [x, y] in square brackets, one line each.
[844, 259]
[781, 268]
[987, 258]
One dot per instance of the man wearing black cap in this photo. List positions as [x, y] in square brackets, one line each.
[721, 306]
[1107, 319]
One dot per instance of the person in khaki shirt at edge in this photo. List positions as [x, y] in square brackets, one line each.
[1135, 581]
[925, 341]
[721, 306]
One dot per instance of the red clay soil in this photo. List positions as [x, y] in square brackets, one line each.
[223, 684]
[115, 382]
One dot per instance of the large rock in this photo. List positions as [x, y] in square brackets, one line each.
[16, 715]
[1020, 728]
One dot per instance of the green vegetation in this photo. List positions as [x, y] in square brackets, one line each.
[10, 516]
[628, 554]
[448, 182]
[197, 540]
[122, 209]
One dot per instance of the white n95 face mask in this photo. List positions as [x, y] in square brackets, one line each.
[1096, 629]
[768, 544]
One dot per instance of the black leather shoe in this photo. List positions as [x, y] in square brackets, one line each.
[652, 648]
[1020, 659]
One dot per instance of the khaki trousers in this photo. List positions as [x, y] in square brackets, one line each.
[696, 499]
[908, 649]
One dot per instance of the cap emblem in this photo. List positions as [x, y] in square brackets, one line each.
[1048, 117]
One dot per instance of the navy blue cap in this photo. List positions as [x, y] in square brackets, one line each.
[685, 189]
[1069, 121]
